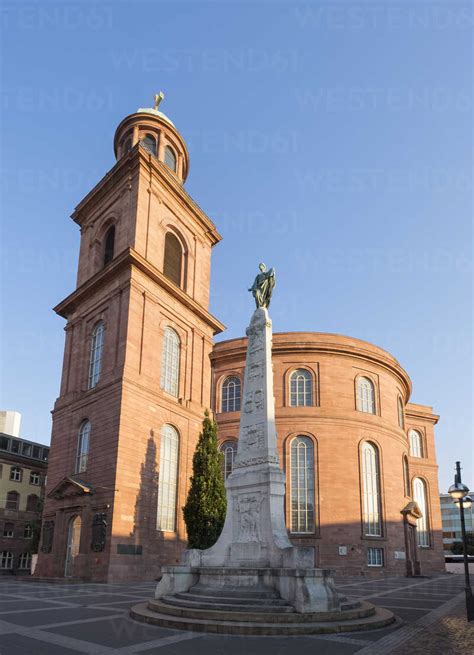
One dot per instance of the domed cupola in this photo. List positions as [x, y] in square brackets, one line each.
[156, 133]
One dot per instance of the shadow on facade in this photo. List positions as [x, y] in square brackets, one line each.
[146, 504]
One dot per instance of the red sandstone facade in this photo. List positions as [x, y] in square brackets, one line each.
[143, 274]
[142, 200]
[338, 429]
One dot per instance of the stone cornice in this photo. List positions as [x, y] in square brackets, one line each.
[421, 412]
[128, 259]
[318, 343]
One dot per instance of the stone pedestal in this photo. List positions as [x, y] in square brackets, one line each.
[253, 550]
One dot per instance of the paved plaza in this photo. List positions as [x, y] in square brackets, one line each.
[38, 618]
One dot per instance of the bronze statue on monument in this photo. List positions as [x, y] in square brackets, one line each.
[263, 285]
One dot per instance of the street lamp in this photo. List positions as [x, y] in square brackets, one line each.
[458, 492]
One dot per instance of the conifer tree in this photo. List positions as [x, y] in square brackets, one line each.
[204, 512]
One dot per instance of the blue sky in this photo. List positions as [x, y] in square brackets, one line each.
[330, 140]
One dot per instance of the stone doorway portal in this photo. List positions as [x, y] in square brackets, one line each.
[72, 547]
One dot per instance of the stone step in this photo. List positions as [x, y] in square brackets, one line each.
[235, 592]
[379, 619]
[233, 600]
[239, 614]
[219, 604]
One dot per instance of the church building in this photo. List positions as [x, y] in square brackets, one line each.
[140, 367]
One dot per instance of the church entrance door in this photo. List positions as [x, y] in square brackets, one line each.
[72, 547]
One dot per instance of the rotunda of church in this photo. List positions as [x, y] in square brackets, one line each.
[359, 458]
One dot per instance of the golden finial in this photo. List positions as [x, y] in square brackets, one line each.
[158, 98]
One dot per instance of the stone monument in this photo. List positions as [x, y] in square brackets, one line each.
[253, 570]
[254, 535]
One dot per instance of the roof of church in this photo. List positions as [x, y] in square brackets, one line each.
[155, 112]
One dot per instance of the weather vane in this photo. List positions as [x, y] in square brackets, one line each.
[158, 98]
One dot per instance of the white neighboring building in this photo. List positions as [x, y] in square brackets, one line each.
[451, 522]
[10, 422]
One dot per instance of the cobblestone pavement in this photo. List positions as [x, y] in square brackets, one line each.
[38, 618]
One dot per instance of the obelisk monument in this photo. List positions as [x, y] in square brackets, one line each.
[255, 533]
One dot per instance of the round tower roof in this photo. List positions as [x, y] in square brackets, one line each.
[155, 112]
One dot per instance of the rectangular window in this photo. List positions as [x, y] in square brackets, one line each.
[35, 478]
[15, 474]
[374, 556]
[8, 530]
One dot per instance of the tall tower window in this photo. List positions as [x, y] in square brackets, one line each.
[173, 259]
[372, 520]
[83, 446]
[149, 143]
[228, 450]
[109, 245]
[170, 362]
[170, 158]
[231, 391]
[422, 524]
[406, 476]
[302, 485]
[416, 443]
[401, 414]
[126, 145]
[168, 479]
[301, 388]
[95, 363]
[365, 395]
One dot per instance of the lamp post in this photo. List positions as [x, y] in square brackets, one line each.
[458, 492]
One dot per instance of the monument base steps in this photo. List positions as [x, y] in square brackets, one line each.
[247, 615]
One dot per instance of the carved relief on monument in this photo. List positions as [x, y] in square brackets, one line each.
[253, 401]
[255, 373]
[253, 461]
[249, 512]
[252, 437]
[256, 341]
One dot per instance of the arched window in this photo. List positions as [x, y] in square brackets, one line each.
[231, 390]
[301, 388]
[416, 443]
[24, 562]
[28, 531]
[422, 524]
[109, 245]
[406, 476]
[32, 503]
[13, 500]
[83, 446]
[16, 474]
[173, 259]
[168, 478]
[6, 560]
[302, 485]
[170, 356]
[401, 414]
[365, 395]
[170, 158]
[126, 145]
[149, 143]
[372, 519]
[95, 363]
[228, 450]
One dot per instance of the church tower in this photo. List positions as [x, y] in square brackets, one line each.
[136, 375]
